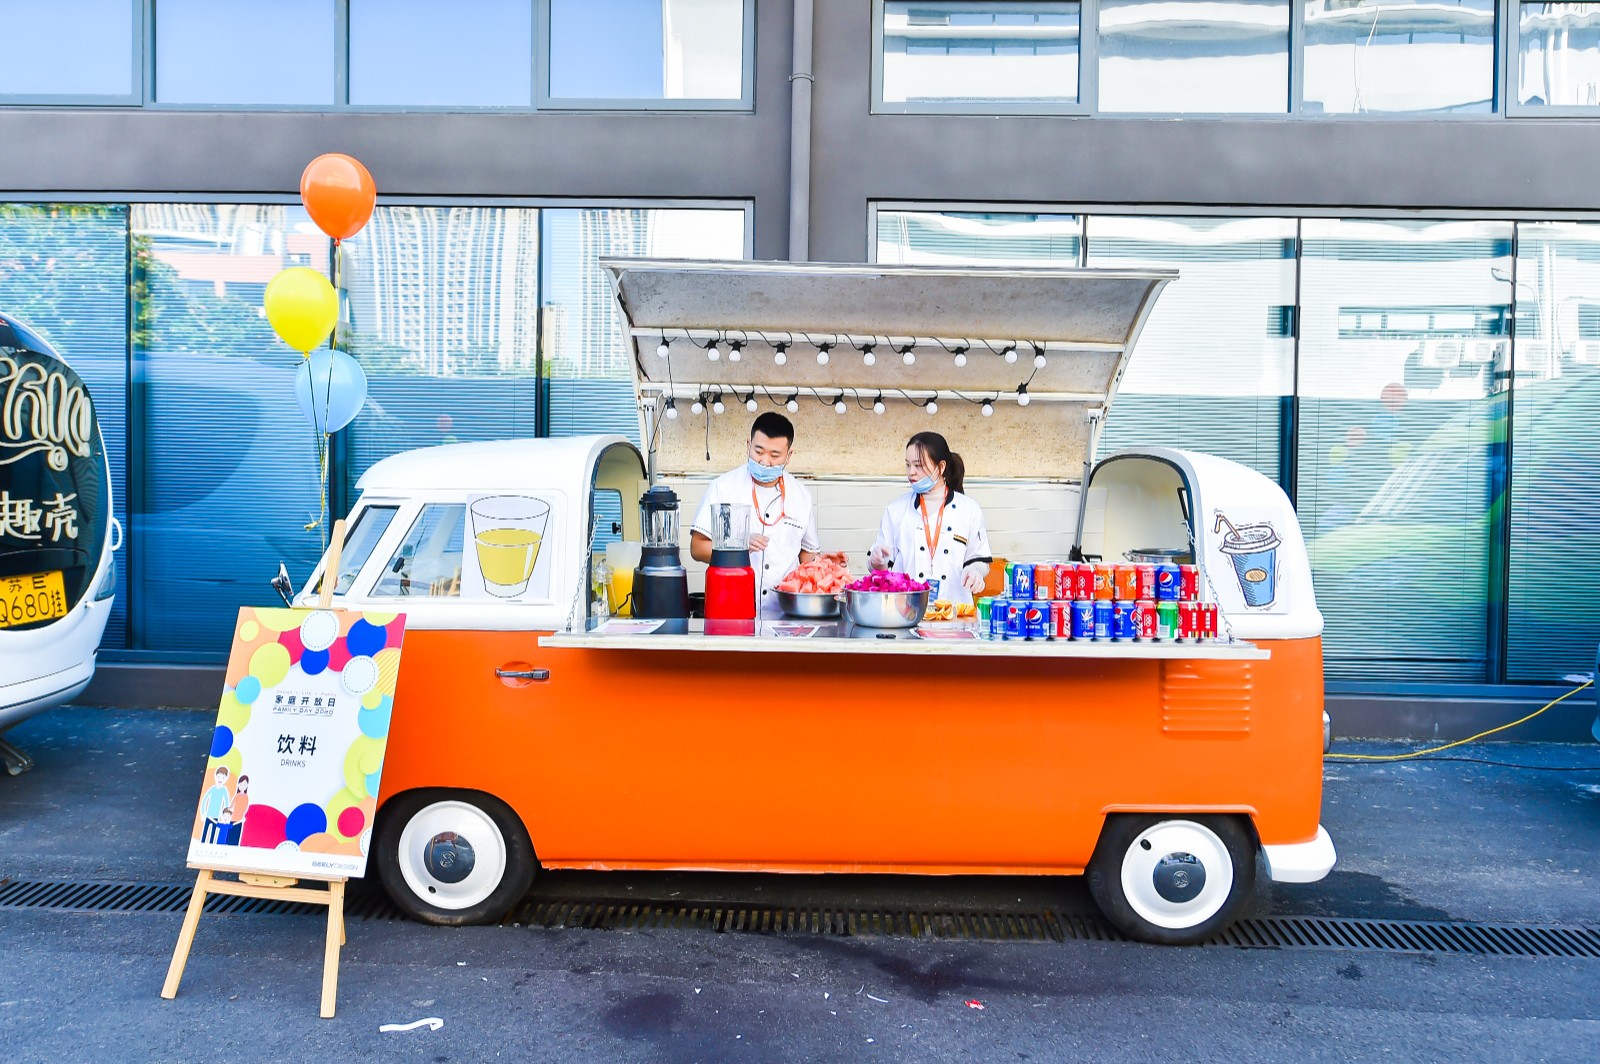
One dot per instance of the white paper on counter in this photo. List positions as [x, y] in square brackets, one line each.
[625, 626]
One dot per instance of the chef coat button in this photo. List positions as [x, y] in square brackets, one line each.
[922, 548]
[766, 567]
[920, 576]
[947, 550]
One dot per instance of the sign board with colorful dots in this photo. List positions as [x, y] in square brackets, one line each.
[292, 782]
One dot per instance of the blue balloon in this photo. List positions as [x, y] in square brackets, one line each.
[331, 388]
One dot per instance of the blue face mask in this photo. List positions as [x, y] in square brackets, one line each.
[763, 474]
[923, 486]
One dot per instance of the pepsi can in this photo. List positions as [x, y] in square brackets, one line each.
[1122, 626]
[1083, 619]
[1014, 619]
[1022, 583]
[1169, 583]
[1036, 620]
[998, 609]
[1104, 611]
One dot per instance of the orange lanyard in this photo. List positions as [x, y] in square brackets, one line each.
[932, 538]
[761, 513]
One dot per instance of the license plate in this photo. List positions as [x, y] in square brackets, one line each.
[31, 598]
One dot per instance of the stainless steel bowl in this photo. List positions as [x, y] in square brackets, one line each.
[812, 606]
[1159, 556]
[886, 609]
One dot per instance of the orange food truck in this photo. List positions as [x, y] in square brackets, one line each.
[533, 728]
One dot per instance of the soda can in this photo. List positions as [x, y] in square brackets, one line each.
[1084, 573]
[1188, 583]
[985, 608]
[1122, 620]
[1147, 582]
[1105, 583]
[1064, 582]
[1083, 619]
[1166, 620]
[1060, 619]
[1036, 620]
[1044, 582]
[1208, 620]
[998, 609]
[1125, 579]
[1168, 582]
[1021, 582]
[1189, 623]
[1144, 620]
[1104, 612]
[1014, 629]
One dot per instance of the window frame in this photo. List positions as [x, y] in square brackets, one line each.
[340, 80]
[1511, 47]
[134, 97]
[342, 61]
[544, 101]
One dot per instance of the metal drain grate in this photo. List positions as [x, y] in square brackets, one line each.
[1273, 932]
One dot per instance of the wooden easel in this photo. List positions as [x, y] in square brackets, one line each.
[274, 888]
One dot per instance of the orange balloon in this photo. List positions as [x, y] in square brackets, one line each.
[338, 194]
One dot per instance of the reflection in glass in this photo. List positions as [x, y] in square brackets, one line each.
[1555, 510]
[591, 387]
[67, 48]
[444, 317]
[1227, 57]
[1559, 55]
[952, 238]
[478, 54]
[1403, 359]
[228, 471]
[252, 52]
[980, 51]
[1217, 353]
[359, 543]
[1399, 55]
[428, 561]
[646, 49]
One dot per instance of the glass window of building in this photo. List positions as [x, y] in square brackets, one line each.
[1555, 511]
[1216, 359]
[1227, 57]
[70, 48]
[478, 53]
[979, 53]
[956, 238]
[245, 52]
[444, 318]
[591, 386]
[643, 50]
[1558, 55]
[1402, 441]
[228, 476]
[1399, 55]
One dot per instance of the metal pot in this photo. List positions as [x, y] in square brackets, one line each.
[886, 609]
[1160, 556]
[810, 606]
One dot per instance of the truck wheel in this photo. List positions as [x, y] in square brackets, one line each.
[1172, 880]
[453, 857]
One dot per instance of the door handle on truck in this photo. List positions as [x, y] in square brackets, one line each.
[523, 674]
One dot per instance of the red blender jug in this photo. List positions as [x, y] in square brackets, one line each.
[731, 581]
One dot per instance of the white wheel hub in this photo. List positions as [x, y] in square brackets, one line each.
[1177, 874]
[452, 855]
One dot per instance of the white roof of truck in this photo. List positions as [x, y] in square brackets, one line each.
[564, 464]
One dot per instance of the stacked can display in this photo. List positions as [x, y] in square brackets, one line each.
[1102, 601]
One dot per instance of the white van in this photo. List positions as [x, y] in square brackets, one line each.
[57, 534]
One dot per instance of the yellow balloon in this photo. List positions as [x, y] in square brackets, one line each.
[302, 307]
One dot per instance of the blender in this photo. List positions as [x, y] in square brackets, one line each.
[731, 580]
[660, 583]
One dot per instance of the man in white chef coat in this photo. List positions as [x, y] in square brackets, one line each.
[783, 520]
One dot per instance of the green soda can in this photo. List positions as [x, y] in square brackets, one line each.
[1166, 620]
[985, 606]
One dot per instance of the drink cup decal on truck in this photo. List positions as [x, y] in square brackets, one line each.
[1253, 550]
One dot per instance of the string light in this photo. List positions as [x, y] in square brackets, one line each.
[664, 348]
[931, 406]
[908, 354]
[672, 410]
[1022, 395]
[867, 357]
[717, 407]
[839, 407]
[734, 349]
[1038, 357]
[698, 408]
[1010, 353]
[961, 357]
[988, 408]
[793, 405]
[877, 405]
[711, 350]
[750, 402]
[780, 354]
[822, 353]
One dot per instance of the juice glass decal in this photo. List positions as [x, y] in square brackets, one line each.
[506, 532]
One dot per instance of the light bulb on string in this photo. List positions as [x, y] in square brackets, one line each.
[839, 407]
[750, 403]
[664, 348]
[822, 354]
[1010, 353]
[908, 355]
[698, 407]
[961, 357]
[1038, 358]
[931, 407]
[793, 405]
[988, 408]
[1022, 395]
[672, 410]
[867, 357]
[877, 405]
[712, 351]
[780, 354]
[717, 407]
[734, 350]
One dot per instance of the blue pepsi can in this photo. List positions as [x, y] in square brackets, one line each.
[998, 609]
[1169, 582]
[1022, 582]
[1122, 621]
[1104, 611]
[1036, 620]
[1014, 620]
[1083, 619]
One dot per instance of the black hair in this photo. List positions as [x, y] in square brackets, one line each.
[774, 426]
[937, 449]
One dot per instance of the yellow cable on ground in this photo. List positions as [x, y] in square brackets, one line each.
[1460, 742]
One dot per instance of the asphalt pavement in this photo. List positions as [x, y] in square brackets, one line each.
[113, 792]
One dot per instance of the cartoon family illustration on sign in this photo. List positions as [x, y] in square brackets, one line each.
[1253, 549]
[224, 809]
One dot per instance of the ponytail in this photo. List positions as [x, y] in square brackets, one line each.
[937, 449]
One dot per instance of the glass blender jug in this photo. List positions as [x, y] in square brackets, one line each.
[660, 583]
[731, 580]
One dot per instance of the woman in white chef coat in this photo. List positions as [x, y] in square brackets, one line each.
[934, 531]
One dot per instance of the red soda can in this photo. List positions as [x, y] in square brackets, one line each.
[1147, 582]
[1044, 582]
[1060, 619]
[1144, 618]
[1065, 578]
[1082, 582]
[1105, 584]
[1208, 620]
[1189, 623]
[1188, 583]
[1126, 579]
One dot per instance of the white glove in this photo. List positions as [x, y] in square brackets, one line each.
[973, 576]
[880, 557]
